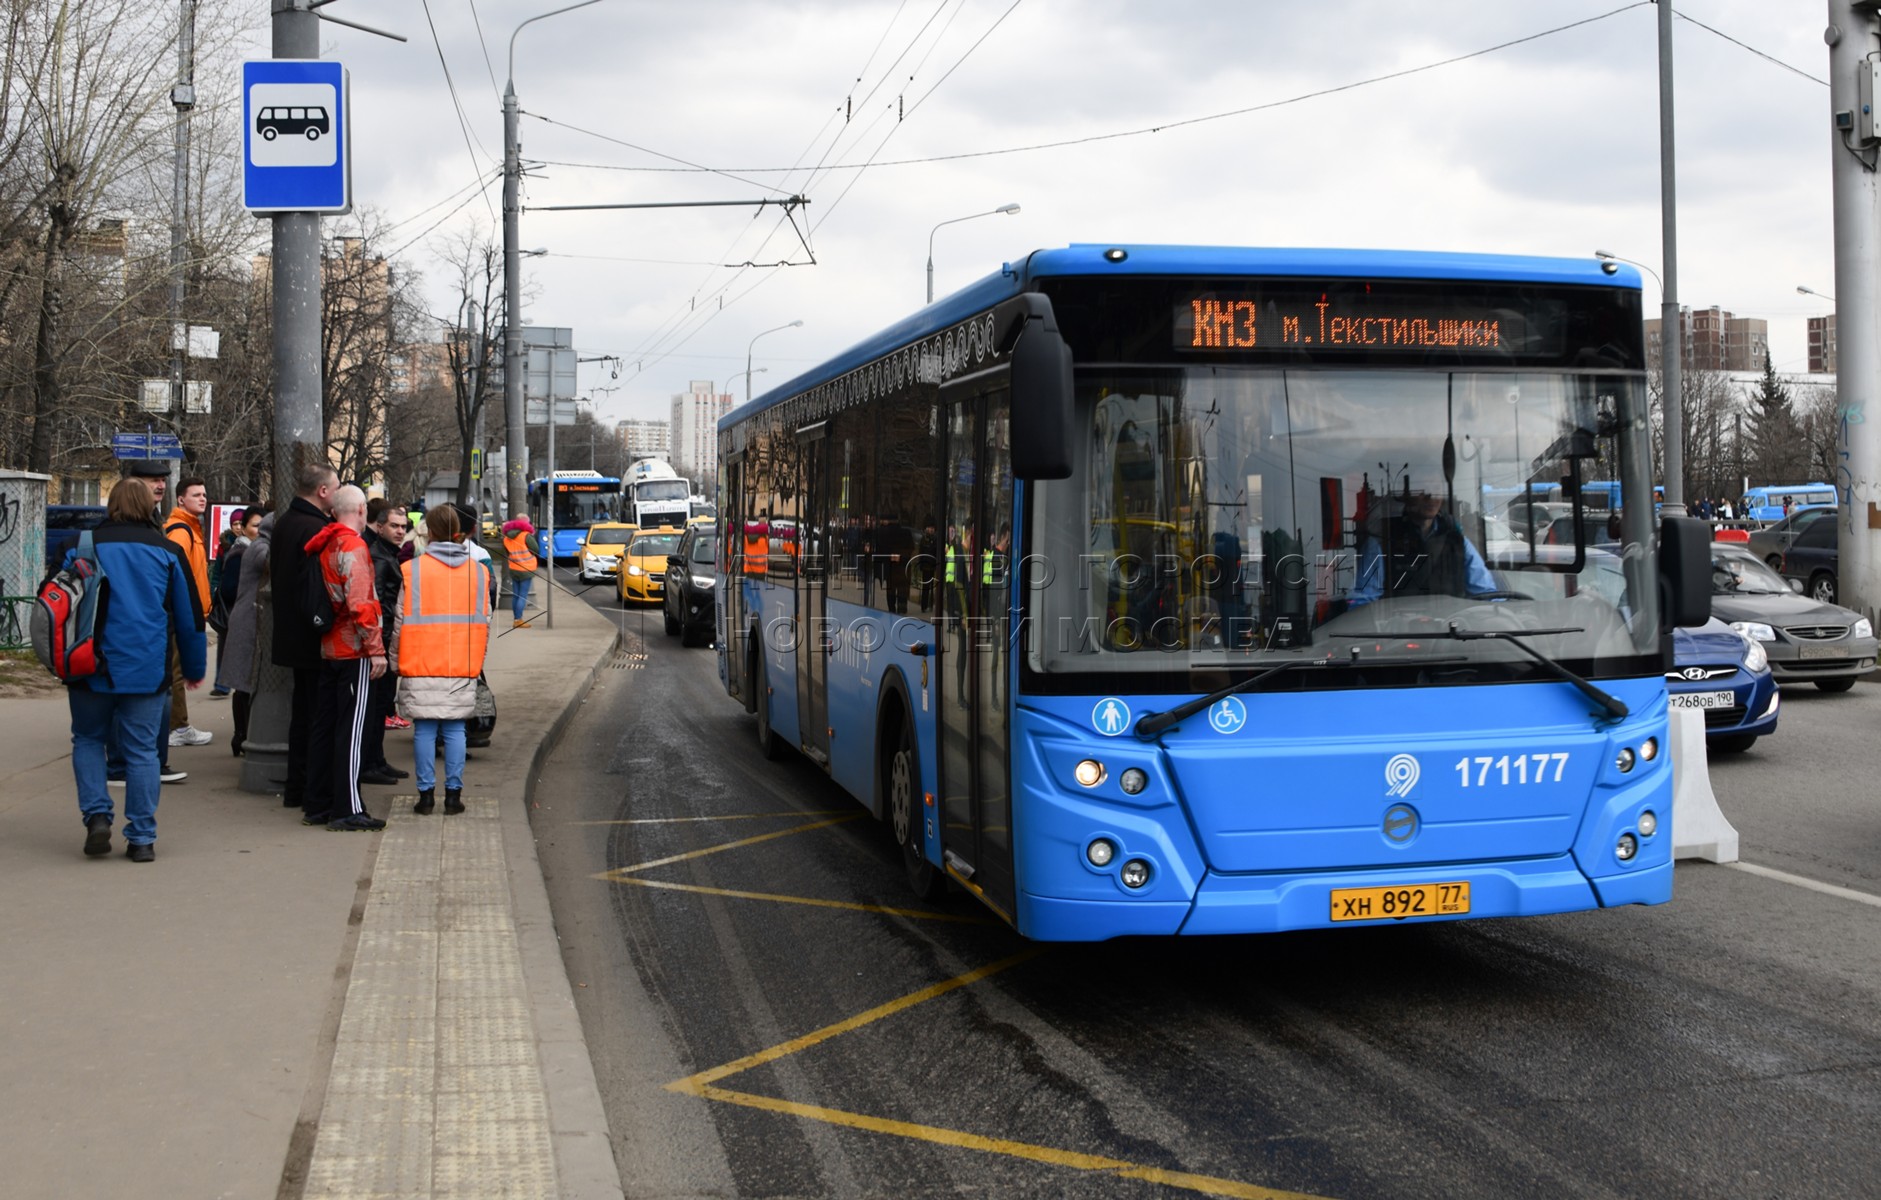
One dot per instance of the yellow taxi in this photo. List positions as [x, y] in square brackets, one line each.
[601, 551]
[643, 567]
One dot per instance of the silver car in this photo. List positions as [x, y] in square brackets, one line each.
[1807, 641]
[1773, 543]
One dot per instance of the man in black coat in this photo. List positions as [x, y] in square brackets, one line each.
[386, 525]
[296, 641]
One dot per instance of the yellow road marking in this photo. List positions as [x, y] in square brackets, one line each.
[613, 877]
[704, 1086]
[1205, 1184]
[750, 841]
[693, 1083]
[833, 812]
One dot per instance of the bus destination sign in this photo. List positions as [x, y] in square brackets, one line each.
[1348, 320]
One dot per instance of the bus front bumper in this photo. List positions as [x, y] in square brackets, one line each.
[1228, 904]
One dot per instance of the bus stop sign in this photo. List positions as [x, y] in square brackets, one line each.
[297, 147]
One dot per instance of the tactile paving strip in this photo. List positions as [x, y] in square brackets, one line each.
[436, 1088]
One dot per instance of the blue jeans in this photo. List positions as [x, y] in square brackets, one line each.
[519, 593]
[424, 748]
[134, 719]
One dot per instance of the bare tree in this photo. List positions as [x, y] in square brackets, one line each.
[472, 337]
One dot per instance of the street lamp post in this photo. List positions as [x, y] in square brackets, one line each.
[515, 470]
[754, 342]
[1671, 404]
[1008, 209]
[1809, 291]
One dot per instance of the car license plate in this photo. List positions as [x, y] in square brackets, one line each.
[1822, 651]
[1398, 903]
[1702, 699]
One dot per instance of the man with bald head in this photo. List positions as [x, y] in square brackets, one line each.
[352, 655]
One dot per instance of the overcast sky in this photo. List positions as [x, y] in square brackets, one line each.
[1548, 146]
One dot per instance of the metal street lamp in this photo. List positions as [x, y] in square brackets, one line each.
[513, 354]
[754, 341]
[1008, 209]
[1610, 256]
[1809, 291]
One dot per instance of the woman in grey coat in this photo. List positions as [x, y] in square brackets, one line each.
[236, 666]
[439, 657]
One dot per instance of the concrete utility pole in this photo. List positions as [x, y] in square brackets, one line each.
[1853, 34]
[299, 424]
[515, 450]
[183, 99]
[299, 427]
[1671, 344]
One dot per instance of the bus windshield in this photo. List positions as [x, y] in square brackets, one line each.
[1225, 517]
[580, 509]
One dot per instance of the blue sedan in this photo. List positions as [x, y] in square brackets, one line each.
[1727, 676]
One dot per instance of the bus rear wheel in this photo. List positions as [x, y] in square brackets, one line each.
[901, 784]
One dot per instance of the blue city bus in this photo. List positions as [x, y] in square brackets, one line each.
[581, 499]
[1767, 503]
[1147, 590]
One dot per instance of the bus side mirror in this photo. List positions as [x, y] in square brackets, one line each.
[1684, 572]
[1041, 394]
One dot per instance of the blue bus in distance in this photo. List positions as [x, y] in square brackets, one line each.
[580, 499]
[1152, 590]
[1768, 503]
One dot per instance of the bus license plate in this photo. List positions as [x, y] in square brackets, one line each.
[1398, 903]
[1702, 699]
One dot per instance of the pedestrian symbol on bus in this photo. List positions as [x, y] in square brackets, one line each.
[1110, 717]
[1228, 716]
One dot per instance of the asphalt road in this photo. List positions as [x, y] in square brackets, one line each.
[772, 1015]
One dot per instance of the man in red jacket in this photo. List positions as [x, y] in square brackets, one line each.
[353, 655]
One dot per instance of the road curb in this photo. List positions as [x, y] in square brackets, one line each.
[584, 1153]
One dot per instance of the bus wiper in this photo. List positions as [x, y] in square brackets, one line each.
[1152, 725]
[1616, 708]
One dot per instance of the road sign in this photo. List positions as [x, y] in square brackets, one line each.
[146, 445]
[476, 462]
[297, 148]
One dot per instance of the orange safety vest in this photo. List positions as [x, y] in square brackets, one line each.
[444, 619]
[520, 559]
[757, 547]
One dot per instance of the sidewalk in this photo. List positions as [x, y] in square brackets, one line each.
[274, 1010]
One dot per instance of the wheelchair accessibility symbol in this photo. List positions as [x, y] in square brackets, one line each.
[1228, 716]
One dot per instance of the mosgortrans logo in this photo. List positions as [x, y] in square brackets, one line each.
[1401, 774]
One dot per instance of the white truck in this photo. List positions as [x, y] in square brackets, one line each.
[653, 494]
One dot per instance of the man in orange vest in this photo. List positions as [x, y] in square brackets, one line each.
[521, 544]
[443, 633]
[185, 529]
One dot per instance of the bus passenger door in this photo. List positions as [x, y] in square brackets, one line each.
[813, 633]
[732, 621]
[976, 818]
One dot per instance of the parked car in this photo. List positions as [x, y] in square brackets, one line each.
[64, 522]
[1812, 561]
[1772, 543]
[690, 605]
[1807, 640]
[1725, 675]
[1525, 517]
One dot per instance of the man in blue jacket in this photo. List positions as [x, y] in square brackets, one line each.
[148, 596]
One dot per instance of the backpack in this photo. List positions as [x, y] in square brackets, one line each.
[316, 602]
[65, 615]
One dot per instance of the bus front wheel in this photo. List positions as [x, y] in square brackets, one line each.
[768, 744]
[902, 784]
